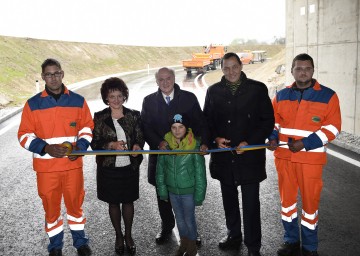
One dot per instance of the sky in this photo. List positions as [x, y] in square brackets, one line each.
[144, 22]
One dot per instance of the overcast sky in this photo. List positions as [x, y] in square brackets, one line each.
[144, 22]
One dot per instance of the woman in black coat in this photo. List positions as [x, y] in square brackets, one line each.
[118, 128]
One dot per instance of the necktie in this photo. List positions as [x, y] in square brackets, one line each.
[167, 100]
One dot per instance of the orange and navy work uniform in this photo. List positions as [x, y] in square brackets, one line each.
[44, 121]
[312, 115]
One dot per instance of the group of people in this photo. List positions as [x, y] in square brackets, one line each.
[298, 124]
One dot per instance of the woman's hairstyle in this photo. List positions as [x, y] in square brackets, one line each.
[113, 84]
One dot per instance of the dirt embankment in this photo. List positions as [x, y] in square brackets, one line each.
[21, 58]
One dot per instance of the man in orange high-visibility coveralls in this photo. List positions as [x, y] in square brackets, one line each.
[50, 118]
[307, 117]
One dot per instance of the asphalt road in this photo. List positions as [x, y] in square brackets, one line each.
[22, 216]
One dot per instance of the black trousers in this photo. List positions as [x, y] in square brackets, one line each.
[251, 213]
[166, 214]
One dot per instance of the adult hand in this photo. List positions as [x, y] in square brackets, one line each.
[222, 142]
[296, 145]
[239, 151]
[136, 147]
[273, 145]
[204, 148]
[118, 145]
[73, 158]
[163, 145]
[56, 150]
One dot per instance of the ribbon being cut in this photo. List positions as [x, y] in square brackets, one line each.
[159, 152]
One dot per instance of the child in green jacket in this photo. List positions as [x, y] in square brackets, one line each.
[182, 178]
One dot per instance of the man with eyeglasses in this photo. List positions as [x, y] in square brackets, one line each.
[50, 118]
[307, 118]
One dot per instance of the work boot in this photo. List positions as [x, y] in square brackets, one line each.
[84, 250]
[182, 248]
[55, 252]
[289, 249]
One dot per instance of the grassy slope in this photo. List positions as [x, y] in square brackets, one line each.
[20, 60]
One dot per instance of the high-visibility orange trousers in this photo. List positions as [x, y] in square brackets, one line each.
[52, 186]
[307, 178]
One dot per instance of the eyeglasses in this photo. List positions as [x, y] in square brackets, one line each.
[56, 74]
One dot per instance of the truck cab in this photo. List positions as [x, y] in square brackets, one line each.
[210, 58]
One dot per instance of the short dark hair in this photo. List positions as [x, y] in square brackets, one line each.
[50, 62]
[113, 84]
[230, 55]
[302, 57]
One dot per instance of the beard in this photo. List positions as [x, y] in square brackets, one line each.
[304, 83]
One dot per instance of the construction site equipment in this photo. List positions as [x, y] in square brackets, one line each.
[210, 58]
[259, 56]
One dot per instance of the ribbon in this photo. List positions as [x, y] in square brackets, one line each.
[166, 152]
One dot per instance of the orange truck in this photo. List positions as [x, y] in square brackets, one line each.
[210, 58]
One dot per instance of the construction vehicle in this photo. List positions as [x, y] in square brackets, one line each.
[210, 58]
[259, 56]
[246, 57]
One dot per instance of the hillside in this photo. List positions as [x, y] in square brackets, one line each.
[21, 58]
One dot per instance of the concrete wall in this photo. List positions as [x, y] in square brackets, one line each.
[328, 30]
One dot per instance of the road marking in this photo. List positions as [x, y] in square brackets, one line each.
[15, 121]
[204, 82]
[344, 158]
[196, 81]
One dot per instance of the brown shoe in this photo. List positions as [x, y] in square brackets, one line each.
[191, 248]
[182, 248]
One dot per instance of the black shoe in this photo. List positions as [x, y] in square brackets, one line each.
[131, 249]
[289, 249]
[130, 245]
[84, 250]
[163, 235]
[55, 252]
[254, 253]
[198, 239]
[309, 253]
[230, 243]
[119, 248]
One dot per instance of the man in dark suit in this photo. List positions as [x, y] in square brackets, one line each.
[239, 113]
[157, 112]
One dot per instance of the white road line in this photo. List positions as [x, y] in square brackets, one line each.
[15, 121]
[344, 158]
[196, 81]
[204, 82]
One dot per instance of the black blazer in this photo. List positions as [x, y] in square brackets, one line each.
[104, 133]
[246, 116]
